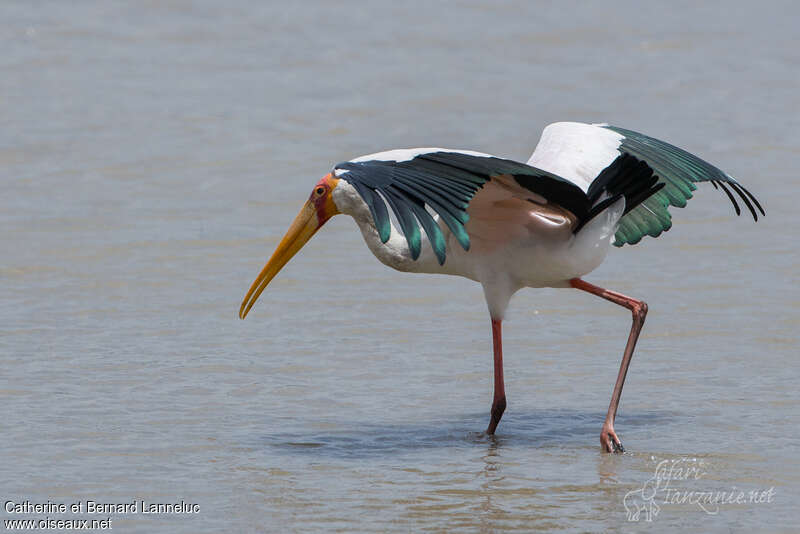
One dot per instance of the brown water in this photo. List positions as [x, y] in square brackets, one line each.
[152, 155]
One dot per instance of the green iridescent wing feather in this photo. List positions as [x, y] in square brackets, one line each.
[652, 176]
[445, 182]
[678, 170]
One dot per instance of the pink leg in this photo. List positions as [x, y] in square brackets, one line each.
[499, 402]
[608, 438]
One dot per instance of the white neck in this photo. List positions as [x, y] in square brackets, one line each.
[395, 252]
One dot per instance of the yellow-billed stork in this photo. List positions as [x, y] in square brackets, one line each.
[509, 225]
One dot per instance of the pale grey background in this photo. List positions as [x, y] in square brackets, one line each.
[153, 153]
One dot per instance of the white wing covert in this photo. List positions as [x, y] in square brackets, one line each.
[580, 152]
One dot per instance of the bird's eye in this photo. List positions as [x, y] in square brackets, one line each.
[319, 191]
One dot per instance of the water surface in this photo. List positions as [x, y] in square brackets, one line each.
[152, 155]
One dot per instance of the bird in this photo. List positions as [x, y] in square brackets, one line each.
[509, 225]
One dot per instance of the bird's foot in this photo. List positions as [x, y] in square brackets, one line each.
[498, 407]
[609, 440]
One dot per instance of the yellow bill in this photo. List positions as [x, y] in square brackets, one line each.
[316, 211]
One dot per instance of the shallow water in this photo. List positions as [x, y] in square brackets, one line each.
[153, 154]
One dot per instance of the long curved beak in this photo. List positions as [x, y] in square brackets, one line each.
[304, 226]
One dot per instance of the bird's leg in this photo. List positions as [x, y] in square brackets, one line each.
[499, 402]
[608, 438]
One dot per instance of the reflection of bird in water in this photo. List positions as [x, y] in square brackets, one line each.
[491, 475]
[509, 225]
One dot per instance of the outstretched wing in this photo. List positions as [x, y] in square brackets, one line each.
[445, 181]
[579, 152]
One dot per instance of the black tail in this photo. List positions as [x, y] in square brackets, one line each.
[626, 177]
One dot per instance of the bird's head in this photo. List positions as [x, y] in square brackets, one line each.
[317, 210]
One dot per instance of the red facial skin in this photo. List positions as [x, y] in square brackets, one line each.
[322, 200]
